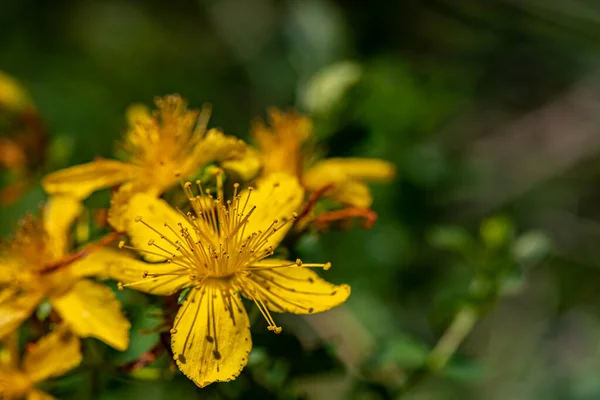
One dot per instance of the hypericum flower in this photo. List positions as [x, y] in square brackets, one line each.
[53, 355]
[286, 147]
[35, 266]
[161, 148]
[219, 249]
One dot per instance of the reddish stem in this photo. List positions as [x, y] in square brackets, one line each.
[312, 201]
[70, 258]
[327, 218]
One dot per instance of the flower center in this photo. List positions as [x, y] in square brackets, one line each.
[214, 239]
[167, 136]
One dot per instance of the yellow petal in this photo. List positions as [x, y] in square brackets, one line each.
[276, 197]
[119, 204]
[39, 395]
[53, 355]
[212, 335]
[15, 308]
[351, 193]
[93, 264]
[215, 146]
[59, 214]
[246, 167]
[347, 176]
[154, 213]
[13, 384]
[91, 309]
[296, 290]
[162, 279]
[82, 180]
[10, 269]
[364, 169]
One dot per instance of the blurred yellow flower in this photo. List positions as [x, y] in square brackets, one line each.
[35, 265]
[13, 95]
[285, 146]
[161, 148]
[53, 355]
[220, 249]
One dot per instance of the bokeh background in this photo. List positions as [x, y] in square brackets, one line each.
[491, 112]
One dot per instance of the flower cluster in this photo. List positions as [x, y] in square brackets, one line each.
[219, 244]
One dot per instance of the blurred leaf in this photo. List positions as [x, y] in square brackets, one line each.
[60, 150]
[326, 88]
[465, 370]
[496, 231]
[258, 356]
[512, 284]
[531, 247]
[43, 310]
[146, 323]
[183, 295]
[406, 351]
[452, 238]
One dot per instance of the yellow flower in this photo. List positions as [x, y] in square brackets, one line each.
[35, 266]
[53, 355]
[218, 250]
[159, 149]
[286, 147]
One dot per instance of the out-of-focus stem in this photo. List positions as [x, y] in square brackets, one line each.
[455, 334]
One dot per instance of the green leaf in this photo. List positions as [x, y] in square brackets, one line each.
[452, 238]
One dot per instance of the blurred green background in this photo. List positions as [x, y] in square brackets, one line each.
[491, 112]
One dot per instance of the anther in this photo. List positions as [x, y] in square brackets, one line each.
[120, 286]
[145, 274]
[121, 244]
[298, 262]
[173, 331]
[275, 329]
[150, 242]
[327, 266]
[138, 218]
[295, 215]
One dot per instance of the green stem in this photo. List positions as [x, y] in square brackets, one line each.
[455, 334]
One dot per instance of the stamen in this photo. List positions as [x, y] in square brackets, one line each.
[250, 289]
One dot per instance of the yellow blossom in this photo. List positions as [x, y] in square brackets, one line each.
[35, 265]
[220, 249]
[159, 148]
[285, 146]
[53, 355]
